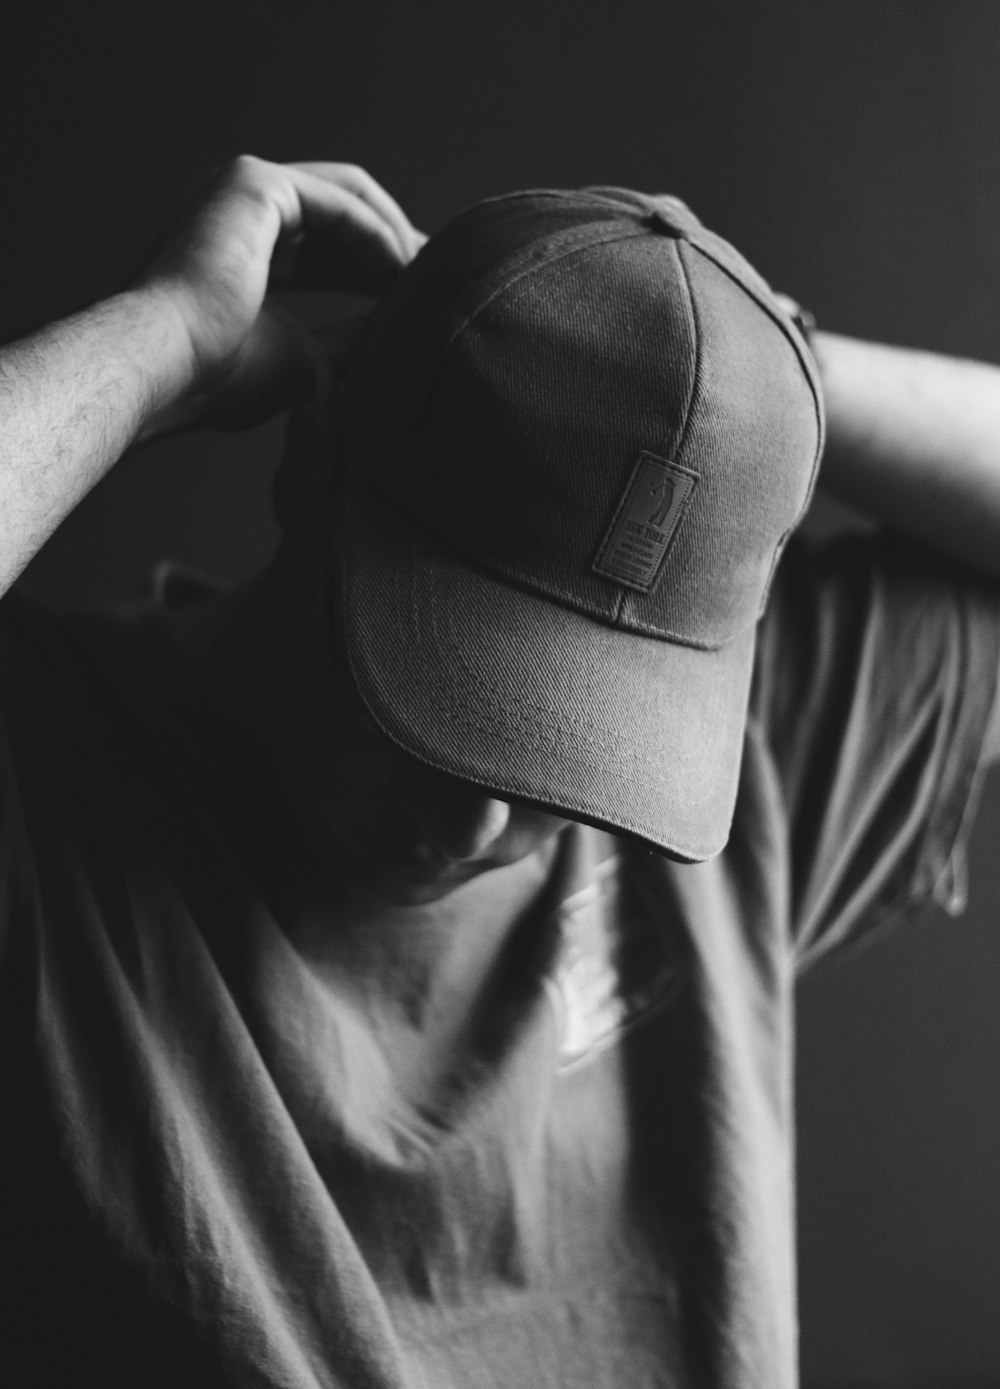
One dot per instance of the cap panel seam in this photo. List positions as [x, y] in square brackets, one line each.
[767, 305]
[445, 327]
[696, 375]
[661, 448]
[808, 370]
[436, 358]
[568, 244]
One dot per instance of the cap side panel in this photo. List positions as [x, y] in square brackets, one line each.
[424, 333]
[732, 263]
[752, 438]
[673, 442]
[694, 327]
[519, 462]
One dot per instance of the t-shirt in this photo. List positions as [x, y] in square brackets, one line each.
[224, 1166]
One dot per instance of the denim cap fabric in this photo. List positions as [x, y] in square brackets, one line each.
[577, 435]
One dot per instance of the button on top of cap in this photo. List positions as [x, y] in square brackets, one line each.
[659, 220]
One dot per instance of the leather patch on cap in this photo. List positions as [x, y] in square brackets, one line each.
[646, 522]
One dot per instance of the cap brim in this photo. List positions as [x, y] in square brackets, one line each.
[534, 701]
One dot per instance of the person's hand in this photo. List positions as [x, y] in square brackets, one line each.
[293, 226]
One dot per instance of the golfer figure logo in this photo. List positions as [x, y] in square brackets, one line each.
[664, 489]
[645, 522]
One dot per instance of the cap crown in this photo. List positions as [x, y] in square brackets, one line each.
[593, 398]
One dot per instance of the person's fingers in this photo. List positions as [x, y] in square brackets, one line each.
[333, 220]
[316, 225]
[360, 182]
[279, 204]
[215, 266]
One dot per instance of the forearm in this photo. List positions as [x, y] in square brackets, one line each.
[72, 398]
[914, 439]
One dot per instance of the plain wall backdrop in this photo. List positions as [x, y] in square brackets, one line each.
[850, 150]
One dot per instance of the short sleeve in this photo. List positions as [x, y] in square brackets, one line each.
[876, 675]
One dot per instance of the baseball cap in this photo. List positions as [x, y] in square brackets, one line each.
[577, 434]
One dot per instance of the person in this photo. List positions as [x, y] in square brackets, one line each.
[398, 949]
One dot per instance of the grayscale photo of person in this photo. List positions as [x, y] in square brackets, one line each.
[500, 582]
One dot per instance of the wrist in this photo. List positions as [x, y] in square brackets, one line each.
[163, 354]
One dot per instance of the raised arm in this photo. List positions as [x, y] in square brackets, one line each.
[192, 339]
[914, 439]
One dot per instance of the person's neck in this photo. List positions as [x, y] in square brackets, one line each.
[376, 938]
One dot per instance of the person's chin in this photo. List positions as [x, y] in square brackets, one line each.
[412, 886]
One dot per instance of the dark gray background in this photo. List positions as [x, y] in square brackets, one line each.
[850, 149]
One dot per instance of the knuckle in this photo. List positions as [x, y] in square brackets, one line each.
[257, 184]
[249, 174]
[246, 165]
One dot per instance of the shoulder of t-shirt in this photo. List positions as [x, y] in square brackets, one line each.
[824, 596]
[876, 675]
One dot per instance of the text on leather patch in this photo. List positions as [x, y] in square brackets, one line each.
[646, 522]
